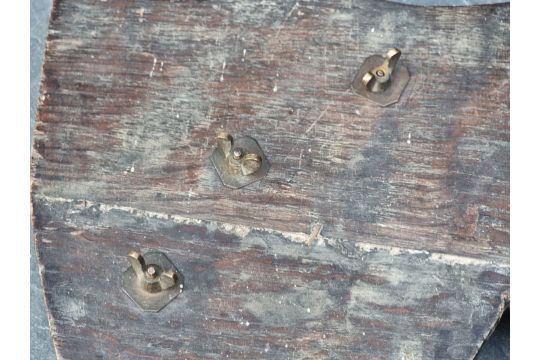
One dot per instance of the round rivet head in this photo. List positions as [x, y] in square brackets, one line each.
[237, 153]
[151, 271]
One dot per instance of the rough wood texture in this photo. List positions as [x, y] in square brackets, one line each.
[413, 199]
[253, 294]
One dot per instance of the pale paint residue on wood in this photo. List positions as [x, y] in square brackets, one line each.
[296, 237]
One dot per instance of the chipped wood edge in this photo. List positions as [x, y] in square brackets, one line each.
[295, 237]
[503, 306]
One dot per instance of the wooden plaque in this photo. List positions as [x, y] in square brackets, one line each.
[378, 233]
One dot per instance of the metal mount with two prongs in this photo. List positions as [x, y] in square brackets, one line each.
[382, 79]
[239, 162]
[151, 281]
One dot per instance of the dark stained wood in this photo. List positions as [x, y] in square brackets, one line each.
[338, 160]
[411, 200]
[255, 294]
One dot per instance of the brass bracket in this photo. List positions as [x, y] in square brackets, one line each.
[382, 79]
[239, 162]
[151, 281]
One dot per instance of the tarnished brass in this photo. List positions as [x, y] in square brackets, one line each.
[382, 79]
[239, 162]
[151, 281]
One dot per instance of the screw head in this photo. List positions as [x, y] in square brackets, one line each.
[379, 73]
[237, 153]
[151, 271]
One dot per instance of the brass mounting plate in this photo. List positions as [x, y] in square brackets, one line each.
[232, 177]
[400, 78]
[146, 300]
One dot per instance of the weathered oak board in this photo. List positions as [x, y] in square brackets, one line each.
[254, 294]
[413, 199]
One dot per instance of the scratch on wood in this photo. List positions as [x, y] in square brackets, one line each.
[316, 120]
[315, 232]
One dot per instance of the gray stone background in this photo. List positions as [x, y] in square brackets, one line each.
[40, 337]
[496, 348]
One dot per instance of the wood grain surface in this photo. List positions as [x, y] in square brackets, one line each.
[251, 294]
[390, 222]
